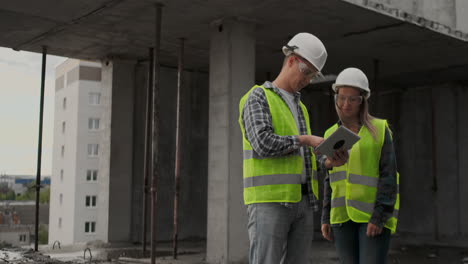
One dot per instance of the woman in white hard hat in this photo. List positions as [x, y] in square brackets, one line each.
[361, 202]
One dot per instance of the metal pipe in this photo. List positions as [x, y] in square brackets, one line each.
[39, 148]
[147, 160]
[178, 147]
[457, 158]
[155, 145]
[434, 166]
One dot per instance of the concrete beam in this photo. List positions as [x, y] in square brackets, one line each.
[438, 16]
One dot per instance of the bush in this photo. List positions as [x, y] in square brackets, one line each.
[4, 244]
[43, 234]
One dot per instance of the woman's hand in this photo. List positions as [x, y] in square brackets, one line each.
[327, 232]
[340, 157]
[373, 230]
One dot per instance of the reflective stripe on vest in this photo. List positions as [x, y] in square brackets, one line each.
[272, 179]
[361, 206]
[357, 179]
[354, 185]
[275, 179]
[337, 176]
[251, 154]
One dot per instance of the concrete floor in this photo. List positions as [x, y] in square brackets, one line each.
[323, 252]
[193, 252]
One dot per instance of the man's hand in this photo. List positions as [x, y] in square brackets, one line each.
[340, 157]
[309, 140]
[373, 230]
[327, 232]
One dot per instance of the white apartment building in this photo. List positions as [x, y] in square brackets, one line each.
[77, 135]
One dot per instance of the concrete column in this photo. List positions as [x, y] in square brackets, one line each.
[447, 193]
[414, 150]
[104, 160]
[232, 73]
[194, 162]
[139, 118]
[115, 164]
[462, 141]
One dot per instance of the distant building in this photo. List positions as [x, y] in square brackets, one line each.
[77, 148]
[30, 179]
[15, 235]
[19, 183]
[25, 212]
[7, 180]
[17, 220]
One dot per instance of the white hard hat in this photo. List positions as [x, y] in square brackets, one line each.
[353, 77]
[308, 47]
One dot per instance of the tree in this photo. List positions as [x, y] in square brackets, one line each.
[44, 196]
[10, 195]
[30, 194]
[7, 194]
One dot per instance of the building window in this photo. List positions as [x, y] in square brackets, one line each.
[60, 222]
[64, 103]
[93, 123]
[22, 238]
[94, 98]
[63, 127]
[93, 150]
[91, 175]
[61, 175]
[90, 201]
[62, 151]
[90, 227]
[61, 198]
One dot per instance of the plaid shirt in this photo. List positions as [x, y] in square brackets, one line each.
[386, 188]
[261, 135]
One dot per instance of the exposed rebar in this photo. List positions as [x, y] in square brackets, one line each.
[147, 167]
[90, 255]
[56, 242]
[434, 167]
[155, 140]
[179, 120]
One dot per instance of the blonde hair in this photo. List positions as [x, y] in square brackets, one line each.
[365, 118]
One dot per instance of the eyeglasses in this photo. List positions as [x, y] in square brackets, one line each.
[352, 100]
[304, 69]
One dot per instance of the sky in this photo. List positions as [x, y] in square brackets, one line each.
[20, 89]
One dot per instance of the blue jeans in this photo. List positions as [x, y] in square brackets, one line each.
[280, 234]
[355, 247]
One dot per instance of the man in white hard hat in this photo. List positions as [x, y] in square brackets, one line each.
[280, 170]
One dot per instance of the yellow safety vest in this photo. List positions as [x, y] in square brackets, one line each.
[275, 179]
[354, 185]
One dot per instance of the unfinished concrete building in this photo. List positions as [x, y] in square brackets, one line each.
[414, 52]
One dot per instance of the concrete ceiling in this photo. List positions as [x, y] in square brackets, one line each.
[354, 36]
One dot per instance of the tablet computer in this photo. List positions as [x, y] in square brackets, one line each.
[341, 138]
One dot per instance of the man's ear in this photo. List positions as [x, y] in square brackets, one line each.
[290, 61]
